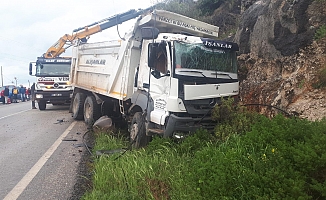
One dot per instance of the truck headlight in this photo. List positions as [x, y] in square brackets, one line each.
[39, 96]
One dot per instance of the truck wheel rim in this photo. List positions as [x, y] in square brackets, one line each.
[134, 131]
[87, 111]
[75, 106]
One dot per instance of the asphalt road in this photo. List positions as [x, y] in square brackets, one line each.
[41, 152]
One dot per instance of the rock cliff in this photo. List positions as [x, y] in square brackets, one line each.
[280, 60]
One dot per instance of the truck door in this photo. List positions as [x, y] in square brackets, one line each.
[160, 82]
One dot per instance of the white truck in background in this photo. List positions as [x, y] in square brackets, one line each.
[52, 83]
[164, 77]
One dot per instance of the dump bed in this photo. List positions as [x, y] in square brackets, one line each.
[106, 68]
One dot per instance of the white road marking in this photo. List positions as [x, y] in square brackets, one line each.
[23, 183]
[14, 114]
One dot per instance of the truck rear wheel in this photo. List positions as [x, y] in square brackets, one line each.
[41, 105]
[78, 106]
[138, 136]
[91, 110]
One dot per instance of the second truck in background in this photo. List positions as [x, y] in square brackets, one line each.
[52, 83]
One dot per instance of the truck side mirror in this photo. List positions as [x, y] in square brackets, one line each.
[30, 68]
[156, 74]
[152, 55]
[149, 33]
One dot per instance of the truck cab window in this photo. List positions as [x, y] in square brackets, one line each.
[161, 62]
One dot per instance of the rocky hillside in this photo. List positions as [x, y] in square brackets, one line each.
[280, 61]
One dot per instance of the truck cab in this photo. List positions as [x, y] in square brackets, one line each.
[189, 76]
[52, 83]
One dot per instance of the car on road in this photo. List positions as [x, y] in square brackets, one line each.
[10, 92]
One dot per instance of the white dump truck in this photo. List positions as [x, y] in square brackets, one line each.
[164, 77]
[52, 83]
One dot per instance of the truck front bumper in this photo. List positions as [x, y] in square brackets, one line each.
[53, 96]
[187, 124]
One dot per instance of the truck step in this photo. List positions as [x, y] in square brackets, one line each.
[156, 131]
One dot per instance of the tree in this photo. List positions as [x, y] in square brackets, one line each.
[207, 7]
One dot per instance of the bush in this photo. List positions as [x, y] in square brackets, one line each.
[232, 119]
[320, 32]
[278, 159]
[207, 7]
[321, 79]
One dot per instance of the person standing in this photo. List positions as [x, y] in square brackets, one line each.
[28, 93]
[6, 94]
[15, 94]
[22, 91]
[2, 96]
[33, 96]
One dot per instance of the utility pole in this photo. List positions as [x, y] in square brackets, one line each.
[15, 80]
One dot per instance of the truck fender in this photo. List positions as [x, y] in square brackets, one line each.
[139, 99]
[97, 98]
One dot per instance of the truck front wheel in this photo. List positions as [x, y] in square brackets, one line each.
[78, 106]
[138, 137]
[91, 110]
[41, 105]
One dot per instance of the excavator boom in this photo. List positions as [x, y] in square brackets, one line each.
[82, 33]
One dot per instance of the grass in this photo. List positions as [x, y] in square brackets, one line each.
[141, 174]
[278, 158]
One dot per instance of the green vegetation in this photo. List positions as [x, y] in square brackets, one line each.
[232, 119]
[321, 79]
[187, 7]
[191, 8]
[248, 157]
[207, 7]
[301, 84]
[320, 32]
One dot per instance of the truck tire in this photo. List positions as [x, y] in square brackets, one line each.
[78, 106]
[138, 137]
[91, 110]
[41, 105]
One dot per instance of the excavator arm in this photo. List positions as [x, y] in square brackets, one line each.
[67, 40]
[82, 33]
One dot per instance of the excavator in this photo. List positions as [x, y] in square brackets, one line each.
[52, 71]
[82, 34]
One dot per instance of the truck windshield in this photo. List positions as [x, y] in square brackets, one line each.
[52, 69]
[196, 56]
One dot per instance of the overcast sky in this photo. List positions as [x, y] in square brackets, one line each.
[29, 28]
